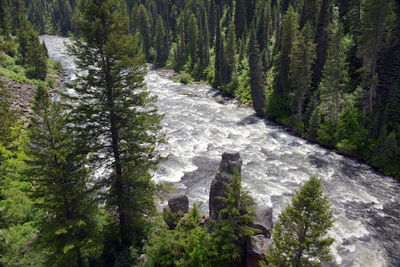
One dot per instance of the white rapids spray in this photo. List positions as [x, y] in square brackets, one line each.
[201, 124]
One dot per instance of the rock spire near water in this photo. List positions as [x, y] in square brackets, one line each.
[231, 164]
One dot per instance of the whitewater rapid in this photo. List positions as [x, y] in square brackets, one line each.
[201, 124]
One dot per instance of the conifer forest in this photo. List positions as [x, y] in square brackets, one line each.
[114, 115]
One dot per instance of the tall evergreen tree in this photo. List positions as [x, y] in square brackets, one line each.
[193, 38]
[300, 234]
[335, 74]
[231, 229]
[256, 76]
[309, 13]
[219, 54]
[115, 118]
[144, 27]
[302, 58]
[288, 35]
[370, 44]
[60, 178]
[230, 52]
[321, 40]
[161, 42]
[240, 18]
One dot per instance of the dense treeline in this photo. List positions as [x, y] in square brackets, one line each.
[328, 69]
[55, 207]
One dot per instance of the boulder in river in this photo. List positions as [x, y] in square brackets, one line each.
[175, 210]
[179, 203]
[256, 249]
[263, 221]
[231, 164]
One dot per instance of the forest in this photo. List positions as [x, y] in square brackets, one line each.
[328, 70]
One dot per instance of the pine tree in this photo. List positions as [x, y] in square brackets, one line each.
[387, 154]
[288, 35]
[60, 179]
[231, 229]
[204, 52]
[161, 43]
[300, 234]
[212, 21]
[193, 38]
[5, 18]
[230, 52]
[115, 118]
[219, 54]
[309, 13]
[370, 44]
[302, 58]
[32, 53]
[256, 76]
[322, 42]
[144, 27]
[335, 74]
[240, 18]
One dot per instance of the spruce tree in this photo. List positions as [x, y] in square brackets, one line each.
[335, 74]
[144, 26]
[302, 59]
[288, 35]
[370, 44]
[231, 229]
[115, 118]
[240, 18]
[193, 38]
[60, 177]
[219, 54]
[256, 76]
[299, 236]
[309, 13]
[322, 42]
[161, 43]
[31, 52]
[230, 52]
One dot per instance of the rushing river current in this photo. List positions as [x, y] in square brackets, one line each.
[201, 124]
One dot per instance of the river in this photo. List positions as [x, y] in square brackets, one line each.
[201, 124]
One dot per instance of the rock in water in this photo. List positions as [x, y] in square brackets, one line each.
[231, 163]
[263, 221]
[179, 203]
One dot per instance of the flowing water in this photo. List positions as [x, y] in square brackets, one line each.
[201, 124]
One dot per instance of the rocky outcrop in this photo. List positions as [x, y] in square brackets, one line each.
[256, 248]
[263, 221]
[179, 203]
[231, 164]
[21, 94]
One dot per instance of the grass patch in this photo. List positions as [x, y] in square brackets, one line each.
[13, 71]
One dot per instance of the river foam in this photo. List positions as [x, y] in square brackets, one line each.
[201, 124]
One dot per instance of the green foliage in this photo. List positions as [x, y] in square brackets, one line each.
[300, 234]
[189, 244]
[243, 90]
[231, 229]
[302, 57]
[31, 52]
[60, 178]
[288, 36]
[119, 132]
